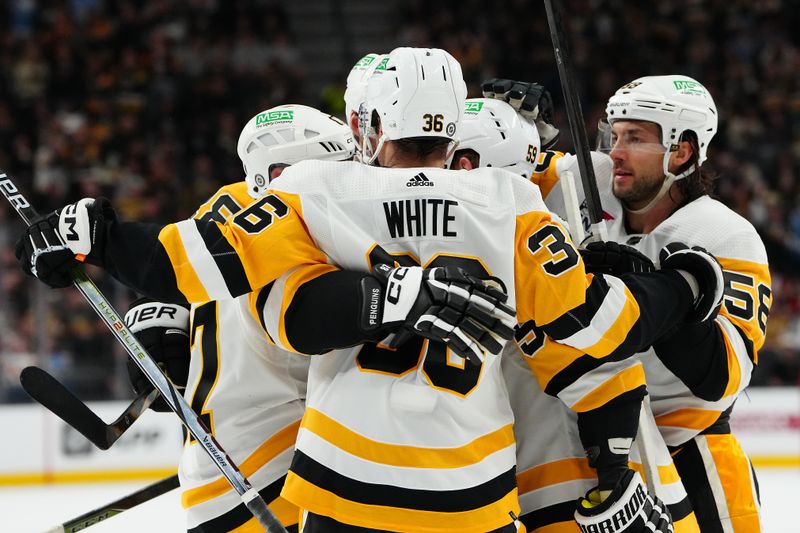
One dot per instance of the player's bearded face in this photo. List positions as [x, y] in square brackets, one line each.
[638, 159]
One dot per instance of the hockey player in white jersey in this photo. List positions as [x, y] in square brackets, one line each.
[335, 487]
[652, 190]
[250, 392]
[692, 395]
[552, 469]
[443, 456]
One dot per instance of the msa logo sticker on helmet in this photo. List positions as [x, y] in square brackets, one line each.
[365, 61]
[473, 107]
[274, 117]
[450, 129]
[689, 87]
[382, 64]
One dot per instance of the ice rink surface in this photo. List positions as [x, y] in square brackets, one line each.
[34, 509]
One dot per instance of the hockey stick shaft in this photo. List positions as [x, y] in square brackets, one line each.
[575, 117]
[578, 130]
[95, 516]
[53, 395]
[254, 502]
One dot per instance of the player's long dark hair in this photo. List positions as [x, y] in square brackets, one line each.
[700, 182]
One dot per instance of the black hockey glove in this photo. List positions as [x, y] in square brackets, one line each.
[629, 509]
[704, 277]
[531, 100]
[614, 258]
[443, 304]
[163, 329]
[55, 243]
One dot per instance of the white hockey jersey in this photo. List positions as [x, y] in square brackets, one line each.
[707, 223]
[460, 473]
[249, 392]
[419, 439]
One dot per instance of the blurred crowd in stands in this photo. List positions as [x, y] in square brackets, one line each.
[142, 101]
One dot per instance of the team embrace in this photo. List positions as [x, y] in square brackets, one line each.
[389, 327]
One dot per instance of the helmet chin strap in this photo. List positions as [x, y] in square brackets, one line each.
[451, 152]
[373, 160]
[669, 179]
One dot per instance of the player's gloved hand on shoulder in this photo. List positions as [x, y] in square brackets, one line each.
[614, 258]
[630, 508]
[702, 272]
[163, 330]
[55, 243]
[443, 304]
[531, 100]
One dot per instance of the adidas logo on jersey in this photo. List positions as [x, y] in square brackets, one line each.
[420, 180]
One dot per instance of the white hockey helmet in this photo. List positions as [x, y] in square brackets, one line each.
[499, 135]
[288, 134]
[414, 92]
[357, 82]
[676, 103]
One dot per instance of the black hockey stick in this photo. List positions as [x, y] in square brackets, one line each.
[52, 394]
[249, 496]
[95, 516]
[575, 116]
[599, 232]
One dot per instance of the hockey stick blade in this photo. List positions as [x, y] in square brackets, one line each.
[95, 516]
[53, 395]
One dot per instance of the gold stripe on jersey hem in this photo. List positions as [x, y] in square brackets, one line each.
[613, 387]
[553, 473]
[271, 448]
[688, 418]
[320, 501]
[403, 455]
[187, 279]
